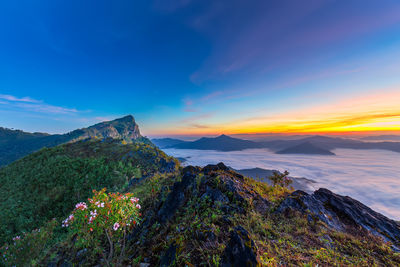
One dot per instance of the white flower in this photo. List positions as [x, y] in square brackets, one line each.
[99, 204]
[116, 226]
[138, 206]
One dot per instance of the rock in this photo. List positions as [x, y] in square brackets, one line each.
[190, 170]
[176, 198]
[168, 258]
[342, 212]
[214, 195]
[261, 205]
[240, 251]
[213, 168]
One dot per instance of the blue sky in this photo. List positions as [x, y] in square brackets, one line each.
[198, 67]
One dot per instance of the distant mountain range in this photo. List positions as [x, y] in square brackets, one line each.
[309, 145]
[166, 142]
[305, 148]
[382, 138]
[220, 143]
[15, 144]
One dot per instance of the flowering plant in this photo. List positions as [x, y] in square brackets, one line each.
[106, 218]
[28, 247]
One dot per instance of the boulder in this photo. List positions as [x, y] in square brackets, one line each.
[176, 198]
[214, 195]
[213, 168]
[241, 250]
[168, 258]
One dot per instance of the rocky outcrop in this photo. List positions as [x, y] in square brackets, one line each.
[176, 198]
[342, 213]
[240, 251]
[123, 128]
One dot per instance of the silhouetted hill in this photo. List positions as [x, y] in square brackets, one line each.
[166, 142]
[329, 143]
[390, 138]
[15, 144]
[305, 148]
[220, 143]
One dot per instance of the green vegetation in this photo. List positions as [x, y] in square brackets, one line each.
[188, 217]
[15, 144]
[48, 183]
[102, 224]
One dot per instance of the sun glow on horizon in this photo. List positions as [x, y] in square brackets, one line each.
[378, 112]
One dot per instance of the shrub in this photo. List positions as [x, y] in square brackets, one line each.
[280, 179]
[26, 249]
[105, 219]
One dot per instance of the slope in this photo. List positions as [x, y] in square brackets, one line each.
[15, 144]
[47, 184]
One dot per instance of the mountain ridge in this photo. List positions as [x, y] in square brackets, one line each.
[15, 144]
[305, 148]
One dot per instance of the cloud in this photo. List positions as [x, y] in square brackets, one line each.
[199, 126]
[188, 105]
[278, 35]
[193, 119]
[45, 108]
[29, 104]
[373, 112]
[16, 99]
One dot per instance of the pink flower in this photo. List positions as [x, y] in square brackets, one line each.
[81, 206]
[17, 238]
[116, 226]
[138, 206]
[134, 200]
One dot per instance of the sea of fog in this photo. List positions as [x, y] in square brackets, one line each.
[370, 176]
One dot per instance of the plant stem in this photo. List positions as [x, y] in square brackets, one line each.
[111, 246]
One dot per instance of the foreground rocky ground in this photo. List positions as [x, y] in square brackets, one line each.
[213, 216]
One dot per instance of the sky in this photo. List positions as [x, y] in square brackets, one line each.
[187, 67]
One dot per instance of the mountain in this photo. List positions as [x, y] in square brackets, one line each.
[391, 138]
[305, 148]
[123, 128]
[329, 143]
[214, 216]
[166, 142]
[192, 216]
[47, 183]
[15, 144]
[211, 216]
[220, 143]
[308, 145]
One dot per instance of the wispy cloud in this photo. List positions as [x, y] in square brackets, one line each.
[29, 104]
[188, 105]
[365, 113]
[16, 99]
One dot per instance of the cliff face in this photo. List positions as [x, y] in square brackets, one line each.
[123, 128]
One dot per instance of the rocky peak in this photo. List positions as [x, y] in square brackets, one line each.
[122, 128]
